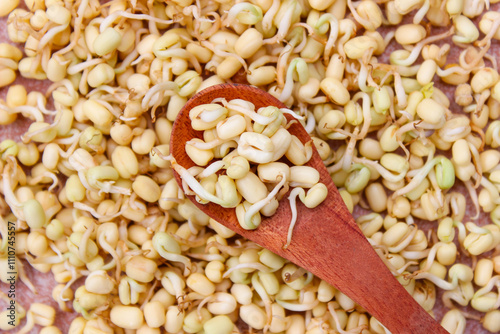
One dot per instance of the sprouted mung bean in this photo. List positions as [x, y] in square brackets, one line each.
[91, 196]
[256, 181]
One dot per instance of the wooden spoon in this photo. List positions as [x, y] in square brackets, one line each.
[326, 240]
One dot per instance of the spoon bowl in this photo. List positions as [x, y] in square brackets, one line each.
[326, 240]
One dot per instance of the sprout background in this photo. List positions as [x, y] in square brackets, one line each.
[44, 282]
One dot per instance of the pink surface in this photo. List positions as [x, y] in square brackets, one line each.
[45, 282]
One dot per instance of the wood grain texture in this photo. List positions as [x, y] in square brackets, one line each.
[326, 240]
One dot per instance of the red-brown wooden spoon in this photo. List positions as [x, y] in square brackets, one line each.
[326, 240]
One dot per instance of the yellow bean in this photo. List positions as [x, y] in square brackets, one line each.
[334, 89]
[220, 324]
[127, 317]
[154, 314]
[97, 113]
[8, 6]
[141, 269]
[200, 283]
[7, 76]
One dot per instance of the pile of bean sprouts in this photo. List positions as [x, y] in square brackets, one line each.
[249, 154]
[95, 203]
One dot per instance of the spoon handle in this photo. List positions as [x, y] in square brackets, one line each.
[323, 245]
